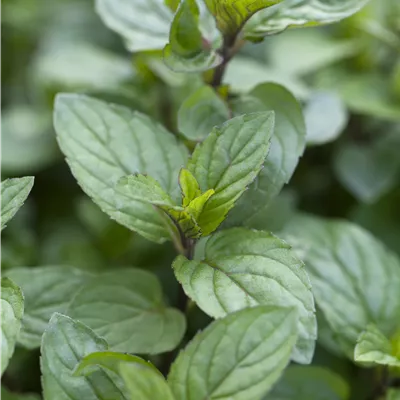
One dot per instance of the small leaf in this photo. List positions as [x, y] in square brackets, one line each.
[374, 348]
[186, 51]
[228, 161]
[126, 307]
[46, 290]
[298, 13]
[231, 15]
[287, 146]
[65, 343]
[145, 383]
[189, 186]
[13, 195]
[200, 112]
[103, 142]
[355, 278]
[238, 357]
[144, 25]
[12, 310]
[244, 268]
[310, 382]
[108, 360]
[325, 117]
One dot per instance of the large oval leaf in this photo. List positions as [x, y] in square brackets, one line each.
[126, 307]
[103, 142]
[356, 280]
[244, 268]
[46, 290]
[238, 357]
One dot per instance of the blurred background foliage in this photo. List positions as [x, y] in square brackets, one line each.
[347, 75]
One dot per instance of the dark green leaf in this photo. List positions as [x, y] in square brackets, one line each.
[244, 268]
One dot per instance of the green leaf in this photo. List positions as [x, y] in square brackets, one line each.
[311, 382]
[325, 116]
[187, 51]
[126, 307]
[103, 142]
[393, 394]
[200, 112]
[65, 343]
[46, 290]
[374, 348]
[108, 360]
[145, 383]
[369, 172]
[144, 188]
[287, 146]
[12, 310]
[298, 13]
[244, 268]
[6, 395]
[14, 192]
[189, 186]
[238, 357]
[355, 278]
[144, 25]
[231, 15]
[228, 161]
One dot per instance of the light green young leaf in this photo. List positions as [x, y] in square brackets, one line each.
[231, 15]
[374, 348]
[65, 343]
[189, 186]
[287, 146]
[103, 142]
[144, 188]
[325, 116]
[108, 360]
[355, 278]
[244, 268]
[143, 24]
[126, 307]
[238, 357]
[196, 206]
[6, 395]
[12, 310]
[228, 161]
[46, 290]
[311, 382]
[298, 13]
[13, 195]
[200, 112]
[145, 383]
[187, 51]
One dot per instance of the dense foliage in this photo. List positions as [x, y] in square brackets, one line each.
[213, 210]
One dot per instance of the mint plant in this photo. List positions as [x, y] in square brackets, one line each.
[187, 272]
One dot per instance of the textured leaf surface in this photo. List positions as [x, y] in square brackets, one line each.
[126, 308]
[355, 278]
[244, 268]
[145, 383]
[13, 195]
[103, 142]
[186, 51]
[12, 310]
[65, 343]
[46, 290]
[311, 382]
[374, 348]
[228, 161]
[238, 357]
[287, 146]
[143, 24]
[295, 13]
[200, 112]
